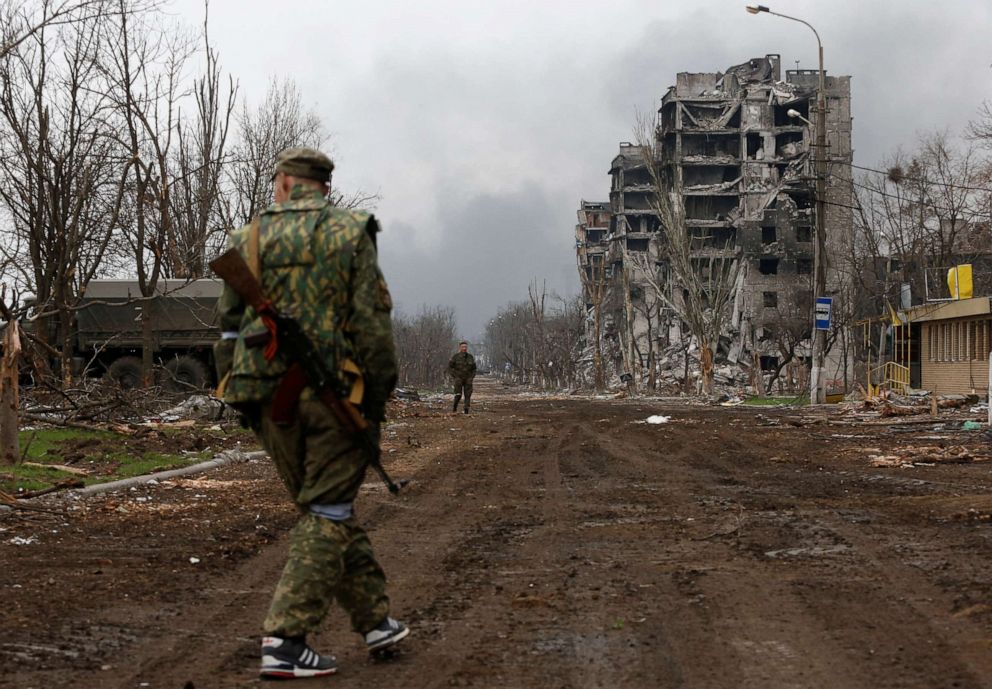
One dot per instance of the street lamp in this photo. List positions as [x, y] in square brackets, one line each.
[816, 379]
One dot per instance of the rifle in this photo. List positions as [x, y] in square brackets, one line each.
[297, 347]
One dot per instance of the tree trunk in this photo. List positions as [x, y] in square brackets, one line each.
[706, 368]
[9, 402]
[630, 350]
[147, 345]
[597, 352]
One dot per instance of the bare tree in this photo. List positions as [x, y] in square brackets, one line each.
[59, 172]
[277, 123]
[787, 333]
[198, 225]
[682, 270]
[145, 67]
[917, 219]
[698, 285]
[22, 21]
[424, 344]
[594, 286]
[538, 341]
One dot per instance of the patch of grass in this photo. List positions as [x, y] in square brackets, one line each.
[24, 477]
[98, 453]
[149, 463]
[45, 444]
[761, 401]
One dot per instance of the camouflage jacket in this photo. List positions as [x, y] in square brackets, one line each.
[318, 264]
[462, 366]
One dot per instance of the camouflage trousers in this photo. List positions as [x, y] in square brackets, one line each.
[328, 561]
[460, 386]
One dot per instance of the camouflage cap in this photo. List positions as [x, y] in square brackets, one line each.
[304, 162]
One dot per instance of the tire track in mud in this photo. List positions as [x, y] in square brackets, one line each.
[714, 590]
[559, 544]
[815, 628]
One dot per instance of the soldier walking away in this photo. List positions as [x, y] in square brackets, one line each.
[319, 264]
[461, 368]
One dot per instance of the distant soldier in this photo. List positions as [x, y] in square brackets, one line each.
[461, 368]
[318, 263]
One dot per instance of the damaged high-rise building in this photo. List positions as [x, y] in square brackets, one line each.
[737, 150]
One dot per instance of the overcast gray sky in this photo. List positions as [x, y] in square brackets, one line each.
[483, 123]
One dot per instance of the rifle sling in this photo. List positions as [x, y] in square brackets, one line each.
[253, 259]
[287, 396]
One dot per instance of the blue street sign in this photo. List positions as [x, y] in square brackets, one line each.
[821, 317]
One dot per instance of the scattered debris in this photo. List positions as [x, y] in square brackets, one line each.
[406, 395]
[200, 407]
[818, 551]
[926, 454]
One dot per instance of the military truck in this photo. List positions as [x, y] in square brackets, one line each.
[184, 324]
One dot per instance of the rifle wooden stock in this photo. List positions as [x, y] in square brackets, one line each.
[232, 269]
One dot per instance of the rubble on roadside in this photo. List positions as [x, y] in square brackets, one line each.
[195, 407]
[927, 455]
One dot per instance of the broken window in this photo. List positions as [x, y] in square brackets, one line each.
[710, 207]
[710, 144]
[636, 202]
[804, 266]
[804, 234]
[768, 266]
[637, 176]
[769, 299]
[782, 118]
[668, 116]
[754, 146]
[701, 115]
[789, 144]
[769, 235]
[634, 244]
[706, 175]
[712, 237]
[769, 363]
[768, 333]
[802, 198]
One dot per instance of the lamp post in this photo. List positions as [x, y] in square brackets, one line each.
[817, 379]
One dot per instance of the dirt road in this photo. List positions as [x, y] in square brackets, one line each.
[545, 543]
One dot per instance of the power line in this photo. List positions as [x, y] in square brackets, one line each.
[923, 180]
[958, 211]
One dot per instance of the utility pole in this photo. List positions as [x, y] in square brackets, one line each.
[817, 378]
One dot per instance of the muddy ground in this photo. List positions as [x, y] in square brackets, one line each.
[547, 543]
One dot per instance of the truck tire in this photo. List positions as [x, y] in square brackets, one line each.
[126, 372]
[186, 374]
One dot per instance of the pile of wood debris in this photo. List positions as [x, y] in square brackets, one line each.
[924, 455]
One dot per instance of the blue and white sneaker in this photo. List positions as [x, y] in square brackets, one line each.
[293, 659]
[386, 634]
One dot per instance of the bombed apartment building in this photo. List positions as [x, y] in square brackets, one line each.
[591, 248]
[737, 149]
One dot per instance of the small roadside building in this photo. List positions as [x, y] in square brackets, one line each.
[954, 345]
